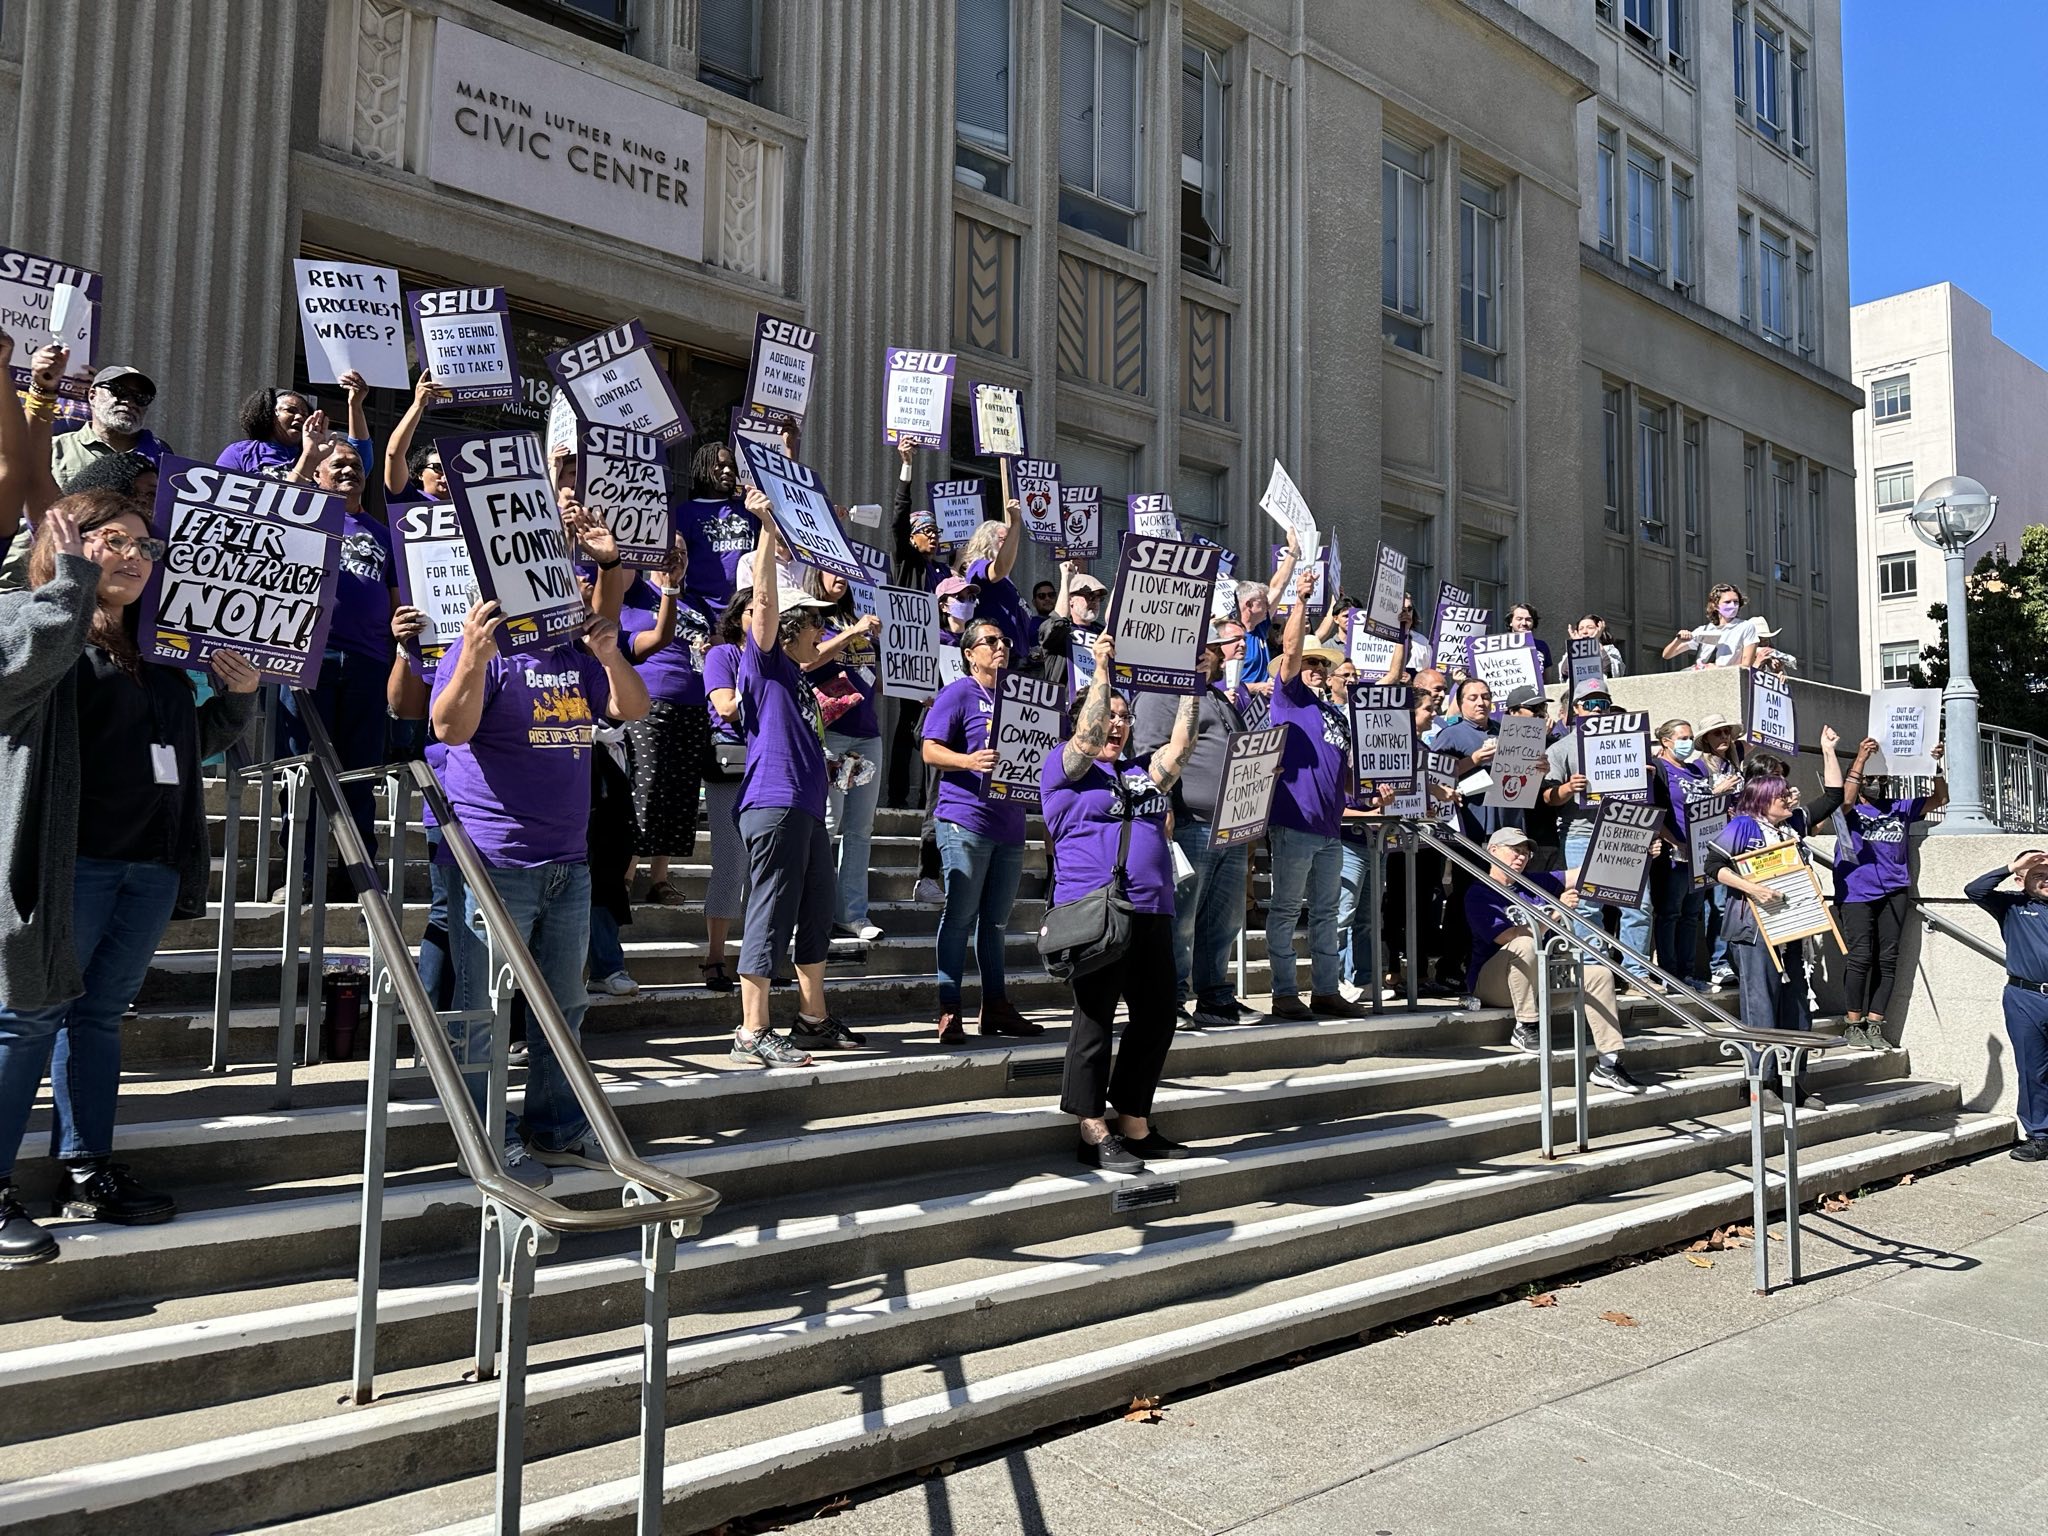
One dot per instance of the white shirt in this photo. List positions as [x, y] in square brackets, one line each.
[1722, 645]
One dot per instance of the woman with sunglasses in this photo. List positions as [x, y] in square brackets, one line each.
[414, 474]
[100, 812]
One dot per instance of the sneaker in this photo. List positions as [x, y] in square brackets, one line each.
[103, 1191]
[1721, 980]
[515, 1054]
[2033, 1150]
[826, 1034]
[1608, 1072]
[928, 893]
[22, 1242]
[618, 984]
[1215, 1015]
[867, 933]
[767, 1049]
[1109, 1154]
[525, 1169]
[1350, 991]
[1154, 1145]
[1806, 1098]
[1334, 1006]
[1873, 1036]
[950, 1031]
[583, 1152]
[999, 1016]
[1525, 1038]
[1292, 1009]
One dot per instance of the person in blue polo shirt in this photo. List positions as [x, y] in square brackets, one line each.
[2023, 925]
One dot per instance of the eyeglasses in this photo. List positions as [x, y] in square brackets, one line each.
[432, 466]
[134, 394]
[121, 544]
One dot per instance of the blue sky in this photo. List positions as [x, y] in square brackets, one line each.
[1946, 106]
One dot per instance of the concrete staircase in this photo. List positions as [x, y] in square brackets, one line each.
[908, 1265]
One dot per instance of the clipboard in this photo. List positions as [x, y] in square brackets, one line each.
[1804, 913]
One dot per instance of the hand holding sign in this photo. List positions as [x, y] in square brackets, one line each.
[480, 630]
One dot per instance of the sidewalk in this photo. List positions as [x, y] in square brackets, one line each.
[1894, 1391]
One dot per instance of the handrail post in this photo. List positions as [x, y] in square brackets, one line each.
[224, 939]
[492, 1252]
[1411, 961]
[658, 1261]
[316, 939]
[523, 1243]
[1759, 1188]
[1792, 1060]
[1579, 1054]
[266, 778]
[296, 796]
[370, 1241]
[1544, 1086]
[1375, 878]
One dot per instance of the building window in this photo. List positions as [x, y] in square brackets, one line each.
[1745, 252]
[1204, 137]
[1606, 152]
[1639, 22]
[1415, 538]
[1741, 58]
[1802, 132]
[1198, 501]
[1652, 515]
[1100, 120]
[1770, 64]
[1682, 235]
[1784, 535]
[981, 95]
[605, 20]
[1480, 210]
[1817, 529]
[1611, 452]
[1680, 41]
[1898, 575]
[1689, 471]
[1114, 467]
[1752, 558]
[1802, 270]
[1482, 567]
[1404, 244]
[729, 46]
[1774, 295]
[1895, 663]
[1892, 399]
[1894, 486]
[1645, 212]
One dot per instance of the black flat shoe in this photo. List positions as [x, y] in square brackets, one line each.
[22, 1242]
[102, 1191]
[2033, 1150]
[1152, 1145]
[1109, 1154]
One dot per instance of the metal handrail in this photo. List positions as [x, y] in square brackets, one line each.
[1946, 926]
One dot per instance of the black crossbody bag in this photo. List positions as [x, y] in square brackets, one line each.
[1082, 936]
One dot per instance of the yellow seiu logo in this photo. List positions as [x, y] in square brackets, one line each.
[526, 626]
[178, 643]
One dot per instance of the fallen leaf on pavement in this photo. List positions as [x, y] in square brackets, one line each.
[1704, 1244]
[1547, 1299]
[1441, 1320]
[1693, 1258]
[1143, 1410]
[1836, 1202]
[1619, 1319]
[1907, 1178]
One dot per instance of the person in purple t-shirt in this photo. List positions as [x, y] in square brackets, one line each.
[517, 729]
[1308, 814]
[414, 474]
[668, 748]
[986, 561]
[273, 423]
[981, 841]
[1873, 890]
[782, 817]
[718, 529]
[846, 678]
[1092, 802]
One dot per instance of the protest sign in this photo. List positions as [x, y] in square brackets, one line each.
[917, 397]
[615, 378]
[1586, 665]
[517, 546]
[1371, 654]
[1518, 765]
[251, 565]
[741, 428]
[32, 312]
[1159, 613]
[957, 507]
[1024, 728]
[1801, 912]
[998, 413]
[1448, 595]
[1389, 592]
[1906, 723]
[1383, 744]
[1080, 523]
[909, 642]
[1319, 563]
[779, 374]
[1036, 485]
[952, 663]
[1613, 752]
[1706, 818]
[1456, 625]
[1244, 799]
[1440, 770]
[802, 511]
[623, 477]
[1767, 717]
[1151, 516]
[1504, 663]
[464, 340]
[561, 425]
[1081, 660]
[352, 316]
[434, 576]
[875, 564]
[1616, 870]
[1284, 503]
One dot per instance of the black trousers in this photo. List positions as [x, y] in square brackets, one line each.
[1144, 982]
[1870, 931]
[1429, 908]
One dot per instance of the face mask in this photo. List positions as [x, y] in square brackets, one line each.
[1683, 750]
[960, 608]
[1233, 673]
[1729, 610]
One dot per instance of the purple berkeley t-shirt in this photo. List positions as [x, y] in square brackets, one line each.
[1875, 859]
[521, 784]
[1084, 820]
[1001, 604]
[362, 604]
[959, 718]
[715, 535]
[1310, 796]
[785, 733]
[671, 673]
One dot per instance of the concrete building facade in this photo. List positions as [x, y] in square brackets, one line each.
[1946, 397]
[1361, 239]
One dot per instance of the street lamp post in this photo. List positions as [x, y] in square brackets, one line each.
[1949, 516]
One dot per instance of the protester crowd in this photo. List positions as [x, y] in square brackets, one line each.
[724, 709]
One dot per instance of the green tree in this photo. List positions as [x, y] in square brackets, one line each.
[2008, 606]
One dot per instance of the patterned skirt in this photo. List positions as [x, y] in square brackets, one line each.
[668, 750]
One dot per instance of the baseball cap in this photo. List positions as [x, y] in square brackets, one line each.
[1509, 837]
[1524, 697]
[795, 599]
[122, 371]
[953, 586]
[1085, 583]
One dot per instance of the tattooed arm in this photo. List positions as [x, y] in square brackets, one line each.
[1170, 759]
[1091, 729]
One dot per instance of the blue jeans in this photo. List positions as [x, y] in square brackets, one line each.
[1773, 996]
[118, 914]
[352, 705]
[1717, 928]
[1354, 915]
[550, 909]
[1679, 906]
[981, 877]
[850, 822]
[1209, 915]
[1635, 921]
[607, 954]
[1306, 867]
